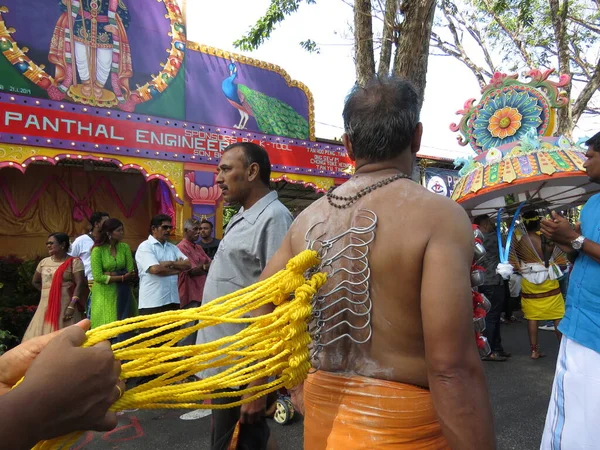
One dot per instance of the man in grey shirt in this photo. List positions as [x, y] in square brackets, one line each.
[493, 288]
[252, 237]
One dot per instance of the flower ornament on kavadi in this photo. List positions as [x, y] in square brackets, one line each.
[518, 160]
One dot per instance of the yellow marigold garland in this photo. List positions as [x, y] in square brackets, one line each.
[272, 345]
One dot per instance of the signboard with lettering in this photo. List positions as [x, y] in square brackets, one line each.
[441, 181]
[76, 127]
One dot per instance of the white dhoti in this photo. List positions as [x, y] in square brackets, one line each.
[103, 63]
[574, 410]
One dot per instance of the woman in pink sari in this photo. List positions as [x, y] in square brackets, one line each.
[61, 280]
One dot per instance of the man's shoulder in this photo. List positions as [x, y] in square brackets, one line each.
[594, 202]
[83, 240]
[145, 245]
[279, 208]
[275, 210]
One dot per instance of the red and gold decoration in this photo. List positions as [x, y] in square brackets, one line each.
[61, 54]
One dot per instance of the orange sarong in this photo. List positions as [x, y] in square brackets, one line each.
[351, 413]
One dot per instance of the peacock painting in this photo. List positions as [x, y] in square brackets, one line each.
[272, 116]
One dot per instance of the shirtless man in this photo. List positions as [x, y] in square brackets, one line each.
[541, 297]
[418, 377]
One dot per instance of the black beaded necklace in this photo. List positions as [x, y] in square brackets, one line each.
[348, 201]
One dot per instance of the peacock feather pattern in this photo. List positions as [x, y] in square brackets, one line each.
[272, 116]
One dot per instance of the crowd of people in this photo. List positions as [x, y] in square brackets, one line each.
[406, 354]
[93, 277]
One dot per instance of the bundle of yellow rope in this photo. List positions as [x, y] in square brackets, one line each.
[273, 345]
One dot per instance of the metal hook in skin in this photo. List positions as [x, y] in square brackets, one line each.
[355, 247]
[357, 314]
[351, 230]
[349, 336]
[317, 313]
[356, 285]
[341, 287]
[349, 272]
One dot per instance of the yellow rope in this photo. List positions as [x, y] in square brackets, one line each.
[274, 345]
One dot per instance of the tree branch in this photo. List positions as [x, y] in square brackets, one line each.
[363, 41]
[586, 94]
[389, 26]
[477, 70]
[585, 24]
[558, 14]
[261, 31]
[513, 37]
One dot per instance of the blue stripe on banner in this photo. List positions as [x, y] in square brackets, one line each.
[560, 401]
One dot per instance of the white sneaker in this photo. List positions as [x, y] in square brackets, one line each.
[120, 413]
[547, 328]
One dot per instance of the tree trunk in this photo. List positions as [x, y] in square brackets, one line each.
[389, 24]
[363, 41]
[412, 50]
[559, 24]
[586, 94]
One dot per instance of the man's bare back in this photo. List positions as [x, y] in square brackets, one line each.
[413, 322]
[408, 216]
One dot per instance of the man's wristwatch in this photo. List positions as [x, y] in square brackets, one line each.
[578, 243]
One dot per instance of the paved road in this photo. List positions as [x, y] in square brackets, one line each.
[520, 389]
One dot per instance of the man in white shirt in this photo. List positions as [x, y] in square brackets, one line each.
[82, 249]
[159, 263]
[82, 246]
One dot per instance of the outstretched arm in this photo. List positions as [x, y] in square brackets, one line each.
[251, 412]
[455, 373]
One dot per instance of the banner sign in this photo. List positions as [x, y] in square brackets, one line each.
[111, 54]
[441, 181]
[66, 126]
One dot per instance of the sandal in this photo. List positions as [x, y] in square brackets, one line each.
[494, 357]
[535, 349]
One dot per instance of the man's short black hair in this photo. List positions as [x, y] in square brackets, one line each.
[97, 217]
[207, 222]
[255, 154]
[594, 142]
[380, 118]
[158, 220]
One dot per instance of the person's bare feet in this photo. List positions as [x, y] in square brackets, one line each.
[86, 89]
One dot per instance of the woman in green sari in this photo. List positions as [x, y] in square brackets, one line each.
[113, 268]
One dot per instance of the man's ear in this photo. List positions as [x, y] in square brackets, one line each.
[348, 146]
[415, 144]
[253, 171]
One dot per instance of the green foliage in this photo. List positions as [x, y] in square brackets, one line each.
[228, 213]
[262, 30]
[13, 323]
[310, 46]
[6, 339]
[18, 299]
[530, 21]
[15, 279]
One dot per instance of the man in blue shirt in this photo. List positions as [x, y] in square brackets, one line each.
[575, 404]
